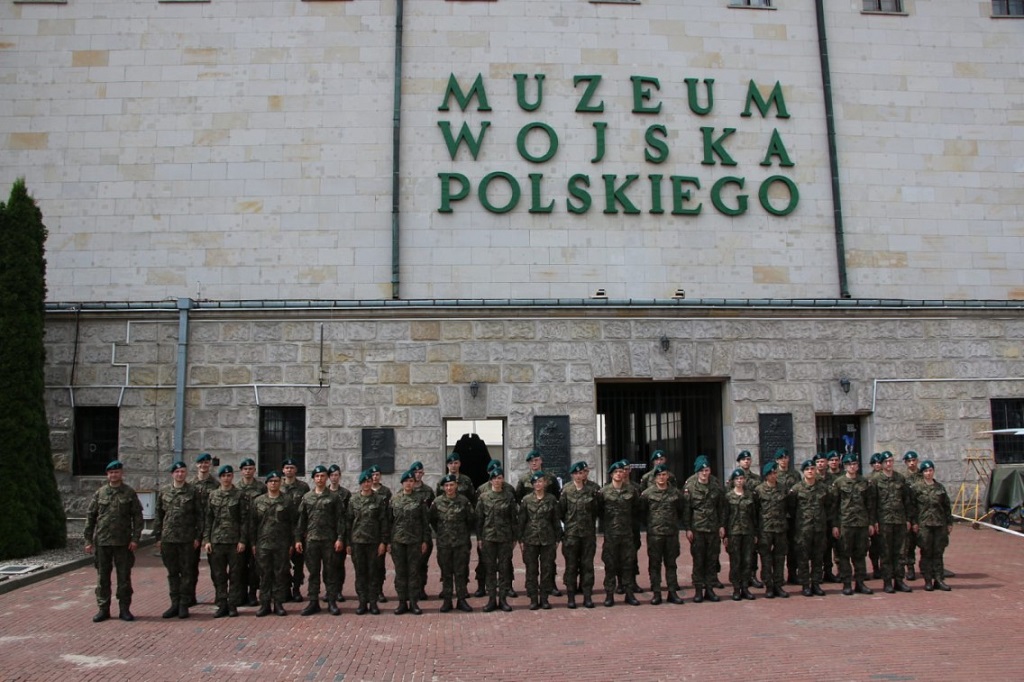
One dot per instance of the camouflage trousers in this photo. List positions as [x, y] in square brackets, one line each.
[540, 569]
[177, 558]
[891, 549]
[704, 551]
[319, 559]
[454, 565]
[810, 551]
[853, 549]
[663, 552]
[617, 554]
[910, 545]
[226, 573]
[578, 553]
[933, 541]
[497, 560]
[425, 563]
[110, 558]
[741, 560]
[773, 548]
[274, 578]
[366, 564]
[406, 558]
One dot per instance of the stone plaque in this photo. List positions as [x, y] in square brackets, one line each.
[930, 430]
[775, 431]
[379, 449]
[551, 437]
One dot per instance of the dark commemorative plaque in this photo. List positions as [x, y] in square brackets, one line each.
[775, 431]
[551, 437]
[379, 449]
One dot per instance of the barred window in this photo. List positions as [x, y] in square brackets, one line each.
[282, 436]
[1007, 413]
[96, 431]
[1008, 8]
[750, 3]
[883, 5]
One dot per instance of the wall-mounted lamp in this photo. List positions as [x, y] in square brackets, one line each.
[665, 343]
[600, 293]
[680, 293]
[474, 388]
[844, 384]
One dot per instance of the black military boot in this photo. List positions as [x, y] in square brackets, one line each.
[631, 598]
[861, 588]
[264, 610]
[928, 586]
[847, 588]
[381, 599]
[656, 599]
[171, 611]
[910, 574]
[403, 607]
[297, 595]
[745, 592]
[251, 599]
[312, 607]
[736, 596]
[769, 592]
[534, 603]
[887, 586]
[717, 584]
[571, 599]
[901, 586]
[555, 592]
[674, 598]
[480, 591]
[279, 609]
[422, 596]
[182, 609]
[362, 610]
[491, 605]
[124, 612]
[446, 605]
[588, 600]
[503, 604]
[609, 599]
[544, 603]
[374, 610]
[462, 605]
[232, 611]
[816, 590]
[221, 612]
[698, 595]
[780, 592]
[101, 615]
[512, 594]
[941, 585]
[756, 584]
[807, 591]
[332, 607]
[415, 609]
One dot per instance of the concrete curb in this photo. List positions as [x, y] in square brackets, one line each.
[53, 571]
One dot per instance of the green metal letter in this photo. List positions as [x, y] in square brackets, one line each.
[552, 142]
[584, 105]
[617, 195]
[463, 99]
[512, 201]
[472, 143]
[521, 91]
[535, 206]
[712, 146]
[680, 196]
[776, 98]
[794, 195]
[446, 190]
[658, 144]
[578, 192]
[642, 95]
[716, 196]
[776, 148]
[691, 95]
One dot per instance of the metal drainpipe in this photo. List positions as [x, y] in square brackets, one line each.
[396, 134]
[833, 157]
[184, 305]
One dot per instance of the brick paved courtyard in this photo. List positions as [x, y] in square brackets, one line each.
[971, 633]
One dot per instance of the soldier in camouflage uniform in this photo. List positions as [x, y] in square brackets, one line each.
[831, 558]
[894, 513]
[224, 541]
[808, 498]
[294, 488]
[620, 506]
[337, 582]
[787, 479]
[368, 538]
[425, 495]
[252, 488]
[579, 505]
[453, 520]
[854, 511]
[657, 459]
[913, 476]
[113, 527]
[773, 534]
[540, 529]
[664, 506]
[410, 529]
[319, 536]
[204, 483]
[497, 527]
[385, 493]
[178, 529]
[705, 527]
[933, 522]
[535, 462]
[272, 537]
[743, 461]
[740, 534]
[875, 542]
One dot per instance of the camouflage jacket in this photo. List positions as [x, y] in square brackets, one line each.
[664, 509]
[424, 494]
[368, 520]
[226, 515]
[771, 508]
[740, 513]
[453, 520]
[932, 505]
[705, 505]
[647, 480]
[410, 521]
[539, 520]
[115, 516]
[253, 489]
[465, 488]
[895, 503]
[524, 487]
[497, 515]
[620, 510]
[294, 490]
[271, 522]
[580, 510]
[321, 517]
[178, 515]
[853, 502]
[810, 508]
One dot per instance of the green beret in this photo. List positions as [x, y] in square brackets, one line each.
[454, 457]
[272, 475]
[659, 469]
[375, 469]
[409, 475]
[226, 469]
[850, 458]
[204, 457]
[290, 462]
[819, 456]
[495, 472]
[808, 464]
[884, 456]
[333, 468]
[319, 469]
[178, 465]
[247, 462]
[493, 464]
[537, 475]
[768, 468]
[875, 458]
[657, 454]
[700, 463]
[909, 456]
[532, 454]
[780, 453]
[416, 466]
[832, 454]
[116, 464]
[745, 454]
[737, 473]
[450, 478]
[616, 465]
[365, 476]
[927, 464]
[578, 466]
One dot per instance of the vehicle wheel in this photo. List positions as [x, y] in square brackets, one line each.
[1001, 519]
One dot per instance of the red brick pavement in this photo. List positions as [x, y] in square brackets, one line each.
[971, 633]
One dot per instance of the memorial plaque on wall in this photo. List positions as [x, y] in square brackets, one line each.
[775, 431]
[379, 449]
[551, 437]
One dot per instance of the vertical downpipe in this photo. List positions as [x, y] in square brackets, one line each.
[833, 156]
[396, 135]
[184, 305]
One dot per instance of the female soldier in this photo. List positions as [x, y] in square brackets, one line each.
[933, 524]
[497, 525]
[540, 528]
[740, 529]
[368, 537]
[453, 520]
[410, 529]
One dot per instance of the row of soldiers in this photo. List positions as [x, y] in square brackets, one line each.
[256, 533]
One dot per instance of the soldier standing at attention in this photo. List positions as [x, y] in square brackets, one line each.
[875, 542]
[854, 511]
[251, 488]
[272, 537]
[224, 541]
[620, 506]
[540, 528]
[384, 493]
[664, 506]
[913, 476]
[410, 528]
[772, 539]
[787, 479]
[334, 585]
[535, 462]
[808, 500]
[113, 527]
[319, 535]
[894, 514]
[178, 530]
[204, 483]
[453, 520]
[933, 524]
[497, 524]
[580, 509]
[425, 495]
[293, 488]
[657, 459]
[743, 461]
[368, 537]
[740, 534]
[705, 527]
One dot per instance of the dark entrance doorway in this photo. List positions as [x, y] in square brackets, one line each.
[682, 418]
[839, 432]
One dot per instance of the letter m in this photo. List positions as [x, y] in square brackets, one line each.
[776, 98]
[463, 99]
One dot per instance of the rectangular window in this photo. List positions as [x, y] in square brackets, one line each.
[1007, 413]
[750, 3]
[282, 436]
[883, 6]
[1008, 8]
[96, 430]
